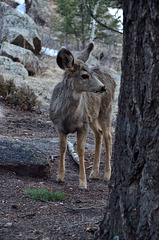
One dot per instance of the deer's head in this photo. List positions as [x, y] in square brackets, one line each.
[81, 77]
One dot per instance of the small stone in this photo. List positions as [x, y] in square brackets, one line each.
[14, 206]
[7, 225]
[37, 231]
[116, 238]
[78, 201]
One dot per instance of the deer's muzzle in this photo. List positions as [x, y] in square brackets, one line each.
[103, 89]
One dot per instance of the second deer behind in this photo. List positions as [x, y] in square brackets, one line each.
[83, 98]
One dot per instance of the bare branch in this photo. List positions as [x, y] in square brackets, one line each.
[73, 152]
[99, 22]
[85, 208]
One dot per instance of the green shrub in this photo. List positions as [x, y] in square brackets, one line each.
[44, 195]
[23, 97]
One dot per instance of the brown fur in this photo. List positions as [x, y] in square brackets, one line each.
[80, 101]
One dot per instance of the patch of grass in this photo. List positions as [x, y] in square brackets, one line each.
[44, 195]
[23, 97]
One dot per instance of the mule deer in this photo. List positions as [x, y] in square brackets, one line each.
[83, 98]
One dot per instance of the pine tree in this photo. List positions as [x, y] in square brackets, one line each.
[76, 23]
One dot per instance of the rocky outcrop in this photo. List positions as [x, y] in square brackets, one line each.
[15, 68]
[11, 3]
[22, 158]
[24, 56]
[18, 29]
[39, 11]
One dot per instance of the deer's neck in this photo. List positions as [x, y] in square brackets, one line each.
[73, 101]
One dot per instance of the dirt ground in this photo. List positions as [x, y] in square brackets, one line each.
[24, 219]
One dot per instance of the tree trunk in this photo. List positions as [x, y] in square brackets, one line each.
[83, 24]
[134, 186]
[94, 22]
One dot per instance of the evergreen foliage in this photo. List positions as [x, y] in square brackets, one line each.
[75, 22]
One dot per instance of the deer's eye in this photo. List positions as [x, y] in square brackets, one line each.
[85, 76]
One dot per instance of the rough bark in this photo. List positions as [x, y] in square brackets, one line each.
[134, 189]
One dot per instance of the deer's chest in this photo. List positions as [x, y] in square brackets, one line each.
[71, 124]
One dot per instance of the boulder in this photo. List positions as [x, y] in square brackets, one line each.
[23, 158]
[7, 65]
[24, 56]
[18, 29]
[39, 10]
[11, 3]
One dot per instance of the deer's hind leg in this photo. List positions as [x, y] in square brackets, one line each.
[106, 128]
[98, 142]
[63, 148]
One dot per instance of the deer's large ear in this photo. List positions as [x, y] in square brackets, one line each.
[65, 59]
[84, 55]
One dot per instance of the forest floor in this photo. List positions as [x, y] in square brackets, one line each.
[77, 217]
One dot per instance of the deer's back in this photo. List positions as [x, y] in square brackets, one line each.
[98, 103]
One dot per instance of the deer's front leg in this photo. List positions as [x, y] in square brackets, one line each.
[81, 139]
[63, 148]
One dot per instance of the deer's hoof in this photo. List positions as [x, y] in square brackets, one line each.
[107, 177]
[83, 189]
[94, 175]
[93, 178]
[106, 181]
[83, 186]
[59, 182]
[60, 177]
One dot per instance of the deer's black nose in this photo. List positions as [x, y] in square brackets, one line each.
[103, 89]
